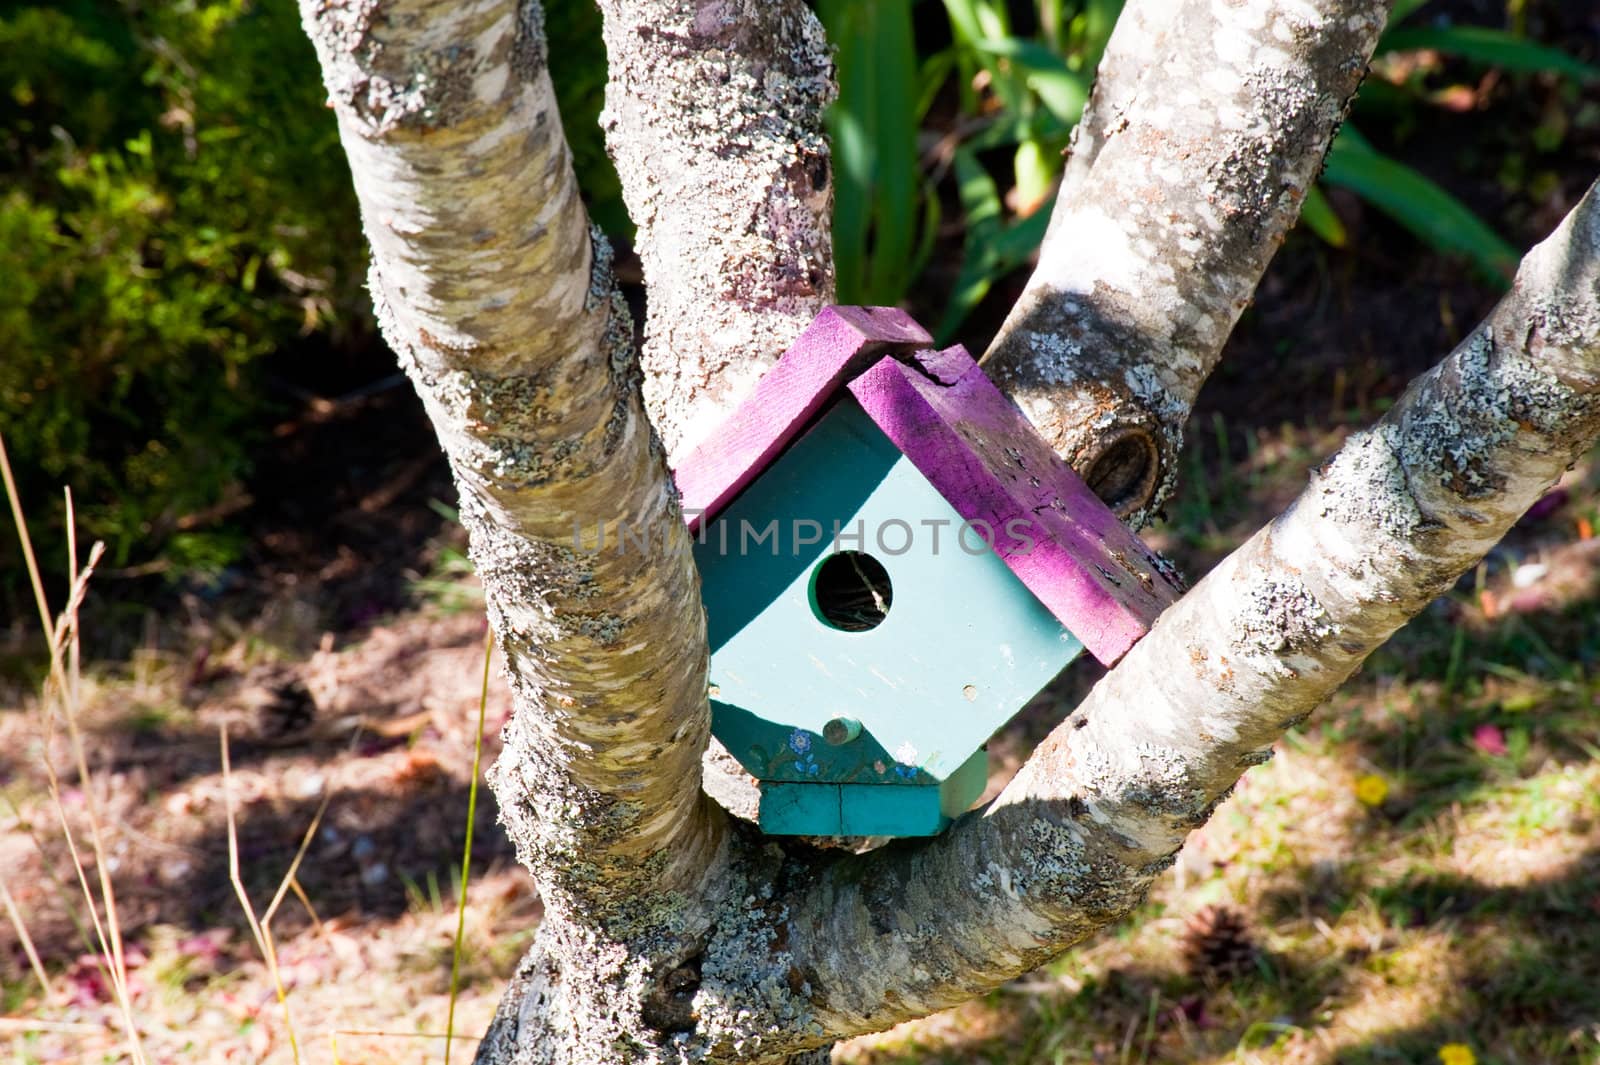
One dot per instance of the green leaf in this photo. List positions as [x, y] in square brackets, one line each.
[1062, 92]
[980, 204]
[1418, 204]
[1404, 9]
[1036, 170]
[931, 78]
[1494, 47]
[894, 58]
[1318, 215]
[991, 249]
[1099, 19]
[1016, 243]
[874, 134]
[979, 29]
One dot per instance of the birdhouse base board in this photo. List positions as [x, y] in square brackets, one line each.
[790, 809]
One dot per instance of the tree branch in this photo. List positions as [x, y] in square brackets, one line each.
[714, 117]
[1137, 44]
[1104, 804]
[499, 303]
[1197, 170]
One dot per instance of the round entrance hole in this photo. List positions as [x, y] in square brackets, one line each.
[850, 591]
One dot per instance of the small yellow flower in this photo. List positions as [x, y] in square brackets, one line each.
[1457, 1054]
[1372, 790]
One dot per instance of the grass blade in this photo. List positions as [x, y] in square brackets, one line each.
[262, 934]
[466, 848]
[1493, 47]
[62, 635]
[1418, 204]
[21, 928]
[1318, 215]
[980, 203]
[1404, 9]
[894, 201]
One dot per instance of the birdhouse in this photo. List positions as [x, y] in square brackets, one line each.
[893, 562]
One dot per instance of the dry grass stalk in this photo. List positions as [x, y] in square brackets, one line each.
[466, 849]
[27, 940]
[262, 934]
[63, 685]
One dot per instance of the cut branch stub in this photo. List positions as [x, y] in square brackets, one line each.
[860, 429]
[1122, 467]
[1199, 167]
[1103, 804]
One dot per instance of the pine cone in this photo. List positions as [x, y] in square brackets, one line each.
[1216, 942]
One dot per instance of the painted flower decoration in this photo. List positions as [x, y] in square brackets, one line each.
[905, 754]
[1457, 1054]
[1372, 789]
[799, 741]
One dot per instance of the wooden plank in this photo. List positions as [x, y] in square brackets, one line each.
[983, 455]
[800, 809]
[839, 343]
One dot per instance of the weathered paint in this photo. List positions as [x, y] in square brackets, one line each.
[980, 453]
[972, 445]
[1033, 568]
[837, 346]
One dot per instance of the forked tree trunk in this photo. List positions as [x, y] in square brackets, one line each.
[674, 933]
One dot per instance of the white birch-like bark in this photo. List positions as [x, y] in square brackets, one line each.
[1103, 805]
[674, 935]
[1183, 184]
[498, 300]
[714, 117]
[1136, 47]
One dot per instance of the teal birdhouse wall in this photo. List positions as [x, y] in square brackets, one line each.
[874, 530]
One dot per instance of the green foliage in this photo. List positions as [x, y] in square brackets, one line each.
[873, 129]
[886, 208]
[1489, 46]
[1017, 96]
[992, 248]
[1402, 192]
[176, 206]
[578, 70]
[1417, 203]
[1040, 85]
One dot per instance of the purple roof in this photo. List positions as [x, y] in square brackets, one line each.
[971, 443]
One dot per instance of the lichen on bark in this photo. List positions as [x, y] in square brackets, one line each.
[1186, 177]
[714, 117]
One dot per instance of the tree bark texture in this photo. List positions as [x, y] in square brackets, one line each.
[806, 947]
[498, 300]
[673, 933]
[714, 117]
[1190, 166]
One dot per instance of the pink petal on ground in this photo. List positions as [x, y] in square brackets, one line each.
[1489, 739]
